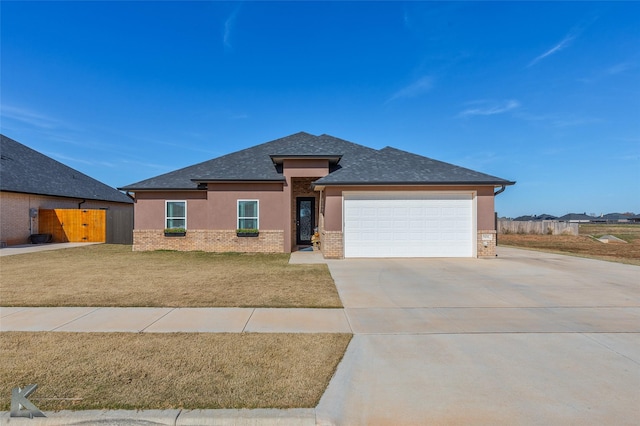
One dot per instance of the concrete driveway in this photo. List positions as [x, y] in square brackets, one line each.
[526, 338]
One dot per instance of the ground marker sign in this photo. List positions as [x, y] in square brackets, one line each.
[21, 406]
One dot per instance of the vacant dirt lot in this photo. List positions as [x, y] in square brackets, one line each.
[585, 244]
[113, 275]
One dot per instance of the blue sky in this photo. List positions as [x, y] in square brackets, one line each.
[546, 94]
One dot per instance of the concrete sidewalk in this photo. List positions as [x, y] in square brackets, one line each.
[171, 320]
[35, 248]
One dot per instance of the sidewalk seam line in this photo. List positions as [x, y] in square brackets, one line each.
[248, 319]
[171, 310]
[75, 319]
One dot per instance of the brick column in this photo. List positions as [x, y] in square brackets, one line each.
[332, 245]
[487, 243]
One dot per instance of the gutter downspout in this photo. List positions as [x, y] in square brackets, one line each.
[81, 203]
[495, 215]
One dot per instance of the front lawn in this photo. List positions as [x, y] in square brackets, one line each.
[82, 371]
[113, 275]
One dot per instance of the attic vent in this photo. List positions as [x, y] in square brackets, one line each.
[4, 157]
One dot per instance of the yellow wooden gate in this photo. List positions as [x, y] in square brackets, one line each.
[73, 225]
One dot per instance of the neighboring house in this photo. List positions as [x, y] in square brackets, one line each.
[31, 182]
[576, 218]
[535, 218]
[362, 201]
[613, 218]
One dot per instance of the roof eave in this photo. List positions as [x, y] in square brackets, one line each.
[461, 183]
[333, 159]
[279, 180]
[134, 189]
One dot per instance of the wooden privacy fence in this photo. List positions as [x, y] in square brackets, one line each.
[73, 225]
[544, 227]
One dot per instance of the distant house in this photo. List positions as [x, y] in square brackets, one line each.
[362, 202]
[613, 218]
[31, 182]
[576, 218]
[634, 218]
[540, 217]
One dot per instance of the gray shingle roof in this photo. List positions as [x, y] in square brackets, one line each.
[357, 165]
[575, 216]
[393, 166]
[27, 171]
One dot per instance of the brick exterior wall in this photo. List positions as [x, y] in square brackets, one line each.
[331, 244]
[209, 240]
[15, 223]
[487, 243]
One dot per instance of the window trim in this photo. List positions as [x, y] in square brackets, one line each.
[257, 216]
[166, 211]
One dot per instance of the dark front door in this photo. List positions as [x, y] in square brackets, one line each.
[305, 219]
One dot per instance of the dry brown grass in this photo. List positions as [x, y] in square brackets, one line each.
[113, 275]
[83, 371]
[585, 244]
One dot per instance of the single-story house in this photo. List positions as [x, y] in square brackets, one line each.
[576, 218]
[613, 218]
[361, 202]
[32, 183]
[535, 218]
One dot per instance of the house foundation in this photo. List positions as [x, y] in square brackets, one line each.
[217, 241]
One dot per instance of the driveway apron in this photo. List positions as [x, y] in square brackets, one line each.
[525, 338]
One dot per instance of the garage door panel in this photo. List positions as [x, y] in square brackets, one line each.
[408, 225]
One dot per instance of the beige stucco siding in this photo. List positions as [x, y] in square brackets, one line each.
[333, 202]
[223, 204]
[150, 208]
[486, 212]
[305, 168]
[215, 208]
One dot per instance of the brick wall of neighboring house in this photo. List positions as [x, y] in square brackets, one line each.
[16, 225]
[332, 244]
[209, 240]
[487, 243]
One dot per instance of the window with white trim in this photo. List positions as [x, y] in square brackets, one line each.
[248, 214]
[176, 214]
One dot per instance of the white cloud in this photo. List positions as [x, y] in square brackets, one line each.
[417, 88]
[619, 68]
[229, 26]
[566, 42]
[490, 108]
[30, 117]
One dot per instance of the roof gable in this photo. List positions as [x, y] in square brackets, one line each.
[25, 170]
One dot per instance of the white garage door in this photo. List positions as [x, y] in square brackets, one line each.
[408, 224]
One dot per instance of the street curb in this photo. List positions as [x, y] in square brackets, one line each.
[261, 416]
